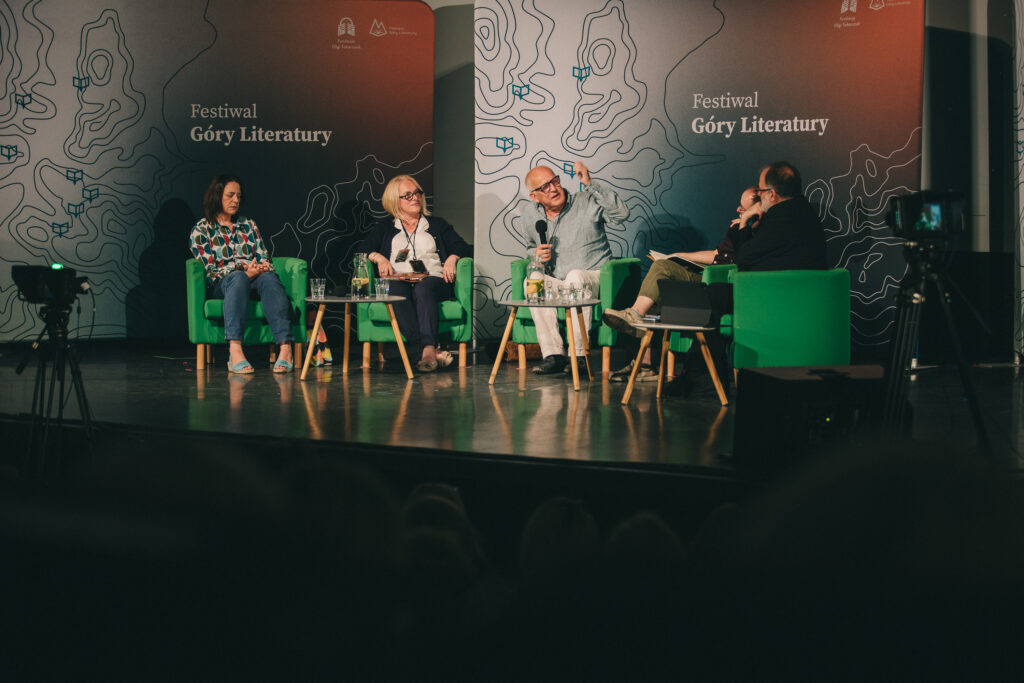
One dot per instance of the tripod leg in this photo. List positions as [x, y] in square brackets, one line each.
[43, 455]
[79, 386]
[32, 464]
[896, 374]
[965, 378]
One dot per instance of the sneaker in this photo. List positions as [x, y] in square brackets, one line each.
[646, 373]
[551, 365]
[623, 321]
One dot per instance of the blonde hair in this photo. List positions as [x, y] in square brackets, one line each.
[390, 197]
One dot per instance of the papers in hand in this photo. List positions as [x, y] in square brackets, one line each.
[658, 256]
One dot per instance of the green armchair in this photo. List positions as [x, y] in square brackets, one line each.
[784, 317]
[620, 283]
[206, 316]
[456, 315]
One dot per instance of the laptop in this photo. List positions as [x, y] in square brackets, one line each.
[684, 303]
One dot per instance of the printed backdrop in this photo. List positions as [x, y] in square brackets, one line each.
[114, 117]
[678, 105]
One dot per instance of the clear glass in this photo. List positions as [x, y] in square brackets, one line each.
[317, 287]
[587, 292]
[380, 288]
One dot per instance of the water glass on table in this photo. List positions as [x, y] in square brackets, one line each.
[317, 287]
[380, 288]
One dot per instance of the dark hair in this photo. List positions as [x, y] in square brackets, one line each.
[783, 177]
[214, 194]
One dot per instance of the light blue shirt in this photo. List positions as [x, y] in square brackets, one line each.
[577, 234]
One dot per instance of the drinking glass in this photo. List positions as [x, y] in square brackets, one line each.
[317, 286]
[380, 287]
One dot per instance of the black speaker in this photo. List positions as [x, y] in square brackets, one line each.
[786, 414]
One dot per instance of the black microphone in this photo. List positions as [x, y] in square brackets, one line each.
[542, 231]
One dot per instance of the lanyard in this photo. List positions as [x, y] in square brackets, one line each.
[411, 242]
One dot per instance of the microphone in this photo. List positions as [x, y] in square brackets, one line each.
[542, 231]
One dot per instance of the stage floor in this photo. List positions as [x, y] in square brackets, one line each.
[521, 416]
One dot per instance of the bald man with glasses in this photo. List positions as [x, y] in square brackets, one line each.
[575, 248]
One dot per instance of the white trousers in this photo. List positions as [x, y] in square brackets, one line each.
[546, 319]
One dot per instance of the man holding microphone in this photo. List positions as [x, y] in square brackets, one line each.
[567, 233]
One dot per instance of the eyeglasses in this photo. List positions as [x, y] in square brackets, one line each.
[409, 196]
[759, 190]
[554, 182]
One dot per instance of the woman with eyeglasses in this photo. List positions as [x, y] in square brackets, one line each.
[413, 241]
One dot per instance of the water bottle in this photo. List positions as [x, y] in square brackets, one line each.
[361, 277]
[535, 279]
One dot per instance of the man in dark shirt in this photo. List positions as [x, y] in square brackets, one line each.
[648, 301]
[789, 235]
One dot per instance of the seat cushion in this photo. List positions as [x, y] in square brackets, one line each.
[450, 311]
[213, 309]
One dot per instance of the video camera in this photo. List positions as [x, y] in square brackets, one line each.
[927, 215]
[52, 285]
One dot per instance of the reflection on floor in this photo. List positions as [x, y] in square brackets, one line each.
[522, 415]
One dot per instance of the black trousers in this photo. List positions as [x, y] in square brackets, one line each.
[418, 315]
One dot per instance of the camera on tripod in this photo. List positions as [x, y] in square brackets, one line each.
[54, 285]
[927, 215]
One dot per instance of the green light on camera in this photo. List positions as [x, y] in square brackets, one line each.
[57, 266]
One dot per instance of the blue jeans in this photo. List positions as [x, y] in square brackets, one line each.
[236, 288]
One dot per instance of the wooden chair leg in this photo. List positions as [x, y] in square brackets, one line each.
[366, 354]
[522, 356]
[200, 356]
[296, 354]
[273, 353]
[671, 368]
[209, 354]
[606, 360]
[380, 355]
[462, 354]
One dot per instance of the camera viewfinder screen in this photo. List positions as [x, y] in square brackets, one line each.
[931, 218]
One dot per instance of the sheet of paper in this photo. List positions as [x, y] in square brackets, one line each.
[657, 256]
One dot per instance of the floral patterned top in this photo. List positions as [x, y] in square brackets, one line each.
[223, 249]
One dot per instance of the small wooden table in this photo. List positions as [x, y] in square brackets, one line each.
[348, 301]
[569, 306]
[698, 332]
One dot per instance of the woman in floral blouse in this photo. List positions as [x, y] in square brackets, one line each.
[237, 264]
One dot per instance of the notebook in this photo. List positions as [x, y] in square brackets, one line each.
[684, 303]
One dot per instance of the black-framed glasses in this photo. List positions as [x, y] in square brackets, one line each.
[759, 190]
[410, 195]
[554, 182]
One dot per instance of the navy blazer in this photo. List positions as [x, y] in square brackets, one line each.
[448, 241]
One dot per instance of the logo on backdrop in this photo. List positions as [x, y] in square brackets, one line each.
[346, 39]
[379, 30]
[848, 6]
